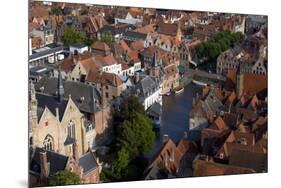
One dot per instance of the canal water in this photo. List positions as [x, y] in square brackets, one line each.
[175, 116]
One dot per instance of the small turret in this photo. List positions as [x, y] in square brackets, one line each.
[60, 88]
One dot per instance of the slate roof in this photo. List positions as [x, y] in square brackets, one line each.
[212, 103]
[86, 97]
[155, 109]
[51, 102]
[46, 52]
[114, 30]
[147, 85]
[132, 35]
[57, 161]
[88, 162]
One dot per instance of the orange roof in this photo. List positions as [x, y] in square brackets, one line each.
[207, 168]
[105, 60]
[220, 124]
[124, 46]
[100, 46]
[170, 155]
[231, 74]
[253, 83]
[134, 55]
[242, 128]
[137, 45]
[39, 12]
[105, 78]
[145, 29]
[232, 97]
[261, 121]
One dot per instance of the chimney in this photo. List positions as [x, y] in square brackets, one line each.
[165, 138]
[44, 165]
[75, 154]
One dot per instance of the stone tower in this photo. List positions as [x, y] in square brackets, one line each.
[155, 68]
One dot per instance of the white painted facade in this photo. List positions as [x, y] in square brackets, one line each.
[154, 97]
[115, 69]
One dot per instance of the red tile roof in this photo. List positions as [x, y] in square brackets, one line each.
[207, 168]
[253, 83]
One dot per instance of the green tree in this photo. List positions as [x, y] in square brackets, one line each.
[64, 178]
[107, 37]
[134, 136]
[70, 36]
[122, 160]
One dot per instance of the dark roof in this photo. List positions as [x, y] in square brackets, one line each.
[51, 102]
[86, 97]
[57, 161]
[132, 35]
[212, 103]
[45, 52]
[249, 159]
[114, 30]
[155, 109]
[88, 162]
[146, 86]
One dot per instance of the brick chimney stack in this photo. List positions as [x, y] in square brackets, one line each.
[75, 154]
[44, 166]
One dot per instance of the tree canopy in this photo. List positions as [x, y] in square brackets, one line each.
[70, 36]
[64, 178]
[216, 44]
[134, 137]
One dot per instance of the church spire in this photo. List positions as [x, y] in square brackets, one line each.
[60, 88]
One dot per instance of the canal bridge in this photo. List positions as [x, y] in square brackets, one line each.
[201, 76]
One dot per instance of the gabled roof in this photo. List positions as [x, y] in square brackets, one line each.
[50, 102]
[105, 60]
[167, 29]
[220, 124]
[147, 85]
[88, 162]
[134, 35]
[169, 157]
[85, 96]
[105, 78]
[57, 161]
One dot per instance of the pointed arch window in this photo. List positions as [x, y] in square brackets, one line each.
[48, 143]
[71, 129]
